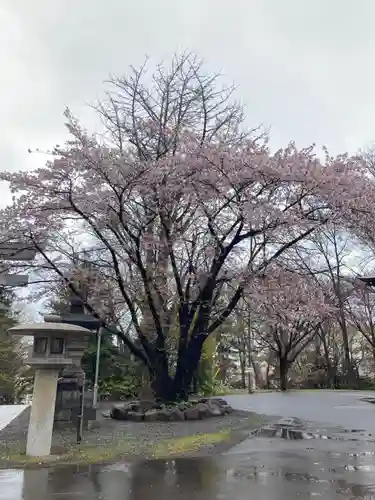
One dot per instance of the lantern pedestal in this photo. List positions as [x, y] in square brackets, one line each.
[39, 436]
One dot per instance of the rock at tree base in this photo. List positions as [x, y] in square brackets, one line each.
[204, 411]
[214, 408]
[223, 405]
[156, 412]
[174, 415]
[135, 416]
[147, 400]
[119, 413]
[153, 415]
[192, 413]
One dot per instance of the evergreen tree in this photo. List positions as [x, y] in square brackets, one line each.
[11, 358]
[119, 374]
[206, 369]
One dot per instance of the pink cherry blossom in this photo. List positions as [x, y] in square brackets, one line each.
[169, 235]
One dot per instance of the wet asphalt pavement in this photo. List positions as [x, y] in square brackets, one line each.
[327, 407]
[326, 451]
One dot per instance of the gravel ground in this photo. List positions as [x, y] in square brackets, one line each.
[107, 432]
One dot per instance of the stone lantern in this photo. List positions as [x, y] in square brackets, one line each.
[368, 280]
[70, 387]
[55, 346]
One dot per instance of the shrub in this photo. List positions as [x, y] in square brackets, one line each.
[118, 390]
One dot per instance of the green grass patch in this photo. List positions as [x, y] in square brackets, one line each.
[187, 444]
[127, 449]
[13, 457]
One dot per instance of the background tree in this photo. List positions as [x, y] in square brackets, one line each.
[288, 310]
[326, 258]
[11, 354]
[361, 312]
[206, 371]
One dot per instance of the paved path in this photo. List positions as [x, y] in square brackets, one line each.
[326, 407]
[9, 412]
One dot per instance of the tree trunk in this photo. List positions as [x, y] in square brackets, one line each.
[162, 386]
[243, 371]
[284, 368]
[161, 382]
[268, 373]
[330, 383]
[249, 353]
[195, 384]
[348, 366]
[317, 341]
[187, 364]
[259, 379]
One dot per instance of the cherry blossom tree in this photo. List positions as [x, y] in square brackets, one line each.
[288, 309]
[361, 311]
[173, 215]
[326, 256]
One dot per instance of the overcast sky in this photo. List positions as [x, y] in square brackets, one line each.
[305, 68]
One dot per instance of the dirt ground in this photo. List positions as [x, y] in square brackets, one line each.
[110, 439]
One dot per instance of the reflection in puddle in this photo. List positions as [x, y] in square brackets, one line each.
[264, 475]
[287, 433]
[11, 482]
[363, 454]
[298, 433]
[366, 468]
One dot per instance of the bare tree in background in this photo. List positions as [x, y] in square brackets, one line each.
[324, 258]
[170, 101]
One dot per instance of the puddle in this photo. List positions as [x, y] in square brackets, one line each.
[264, 476]
[365, 468]
[362, 431]
[292, 430]
[282, 474]
[287, 433]
[368, 400]
[362, 454]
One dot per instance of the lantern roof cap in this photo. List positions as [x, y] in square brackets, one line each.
[369, 280]
[49, 329]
